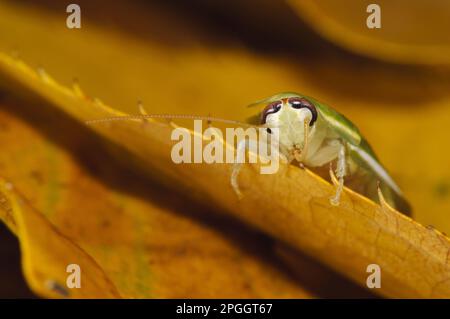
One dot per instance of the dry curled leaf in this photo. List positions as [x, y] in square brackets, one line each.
[414, 259]
[36, 235]
[220, 78]
[137, 239]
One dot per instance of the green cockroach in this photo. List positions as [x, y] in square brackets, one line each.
[315, 135]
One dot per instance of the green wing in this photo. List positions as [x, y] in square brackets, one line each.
[374, 172]
[362, 153]
[338, 122]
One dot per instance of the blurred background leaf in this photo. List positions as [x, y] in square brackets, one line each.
[411, 32]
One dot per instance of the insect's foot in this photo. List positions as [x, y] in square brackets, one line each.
[339, 186]
[335, 200]
[234, 181]
[383, 203]
[237, 190]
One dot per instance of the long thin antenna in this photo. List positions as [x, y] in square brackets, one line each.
[166, 116]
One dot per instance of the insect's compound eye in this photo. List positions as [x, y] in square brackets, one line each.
[270, 109]
[299, 103]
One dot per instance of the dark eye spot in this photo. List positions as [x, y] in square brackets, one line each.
[299, 103]
[270, 109]
[269, 130]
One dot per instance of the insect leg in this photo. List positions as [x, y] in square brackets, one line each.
[241, 149]
[244, 146]
[341, 171]
[304, 150]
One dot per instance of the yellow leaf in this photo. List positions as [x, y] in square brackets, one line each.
[36, 236]
[347, 238]
[112, 224]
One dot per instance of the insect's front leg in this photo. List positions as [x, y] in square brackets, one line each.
[237, 165]
[341, 171]
[242, 148]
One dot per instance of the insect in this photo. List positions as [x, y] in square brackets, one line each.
[315, 135]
